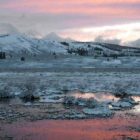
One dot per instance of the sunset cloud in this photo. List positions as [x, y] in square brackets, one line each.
[71, 18]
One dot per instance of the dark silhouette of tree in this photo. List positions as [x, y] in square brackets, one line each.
[22, 58]
[2, 55]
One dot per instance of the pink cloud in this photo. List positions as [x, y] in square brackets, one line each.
[54, 15]
[82, 7]
[78, 6]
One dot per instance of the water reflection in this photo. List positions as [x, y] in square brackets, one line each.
[137, 107]
[101, 97]
[136, 98]
[106, 97]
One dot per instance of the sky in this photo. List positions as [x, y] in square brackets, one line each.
[84, 20]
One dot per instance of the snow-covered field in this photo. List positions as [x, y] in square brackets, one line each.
[86, 82]
[68, 61]
[52, 71]
[56, 80]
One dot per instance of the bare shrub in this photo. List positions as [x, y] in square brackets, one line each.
[121, 89]
[22, 58]
[71, 101]
[64, 89]
[30, 91]
[5, 91]
[91, 103]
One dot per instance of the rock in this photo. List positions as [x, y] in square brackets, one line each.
[81, 102]
[55, 98]
[30, 97]
[124, 103]
[121, 94]
[90, 103]
[69, 100]
[121, 104]
[98, 111]
[130, 100]
[80, 116]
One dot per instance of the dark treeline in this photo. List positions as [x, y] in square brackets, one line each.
[2, 55]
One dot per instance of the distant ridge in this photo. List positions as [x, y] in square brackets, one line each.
[14, 42]
[54, 37]
[6, 29]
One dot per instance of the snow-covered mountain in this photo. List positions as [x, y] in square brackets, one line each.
[54, 37]
[16, 44]
[21, 44]
[13, 42]
[6, 28]
[101, 49]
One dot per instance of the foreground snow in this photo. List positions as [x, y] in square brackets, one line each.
[53, 87]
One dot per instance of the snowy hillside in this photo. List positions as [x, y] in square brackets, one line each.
[17, 43]
[101, 49]
[51, 47]
[13, 42]
[8, 29]
[54, 37]
[91, 48]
